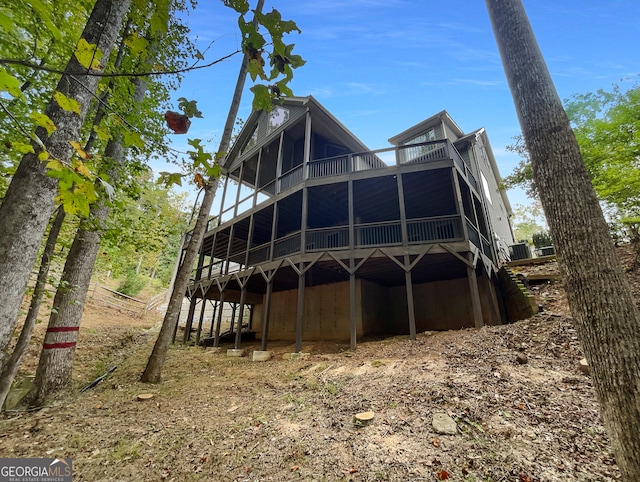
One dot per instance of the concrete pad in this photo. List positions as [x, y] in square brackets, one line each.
[216, 349]
[259, 355]
[235, 352]
[295, 356]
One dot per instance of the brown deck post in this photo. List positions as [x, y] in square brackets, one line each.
[475, 293]
[495, 306]
[202, 308]
[216, 339]
[353, 331]
[411, 308]
[300, 312]
[408, 282]
[243, 299]
[265, 314]
[213, 317]
[189, 323]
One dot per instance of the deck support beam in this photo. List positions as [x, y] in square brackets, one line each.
[300, 311]
[243, 299]
[265, 315]
[475, 293]
[189, 323]
[213, 317]
[410, 306]
[216, 339]
[203, 307]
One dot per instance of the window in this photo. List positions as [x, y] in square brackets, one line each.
[253, 140]
[412, 154]
[485, 186]
[277, 117]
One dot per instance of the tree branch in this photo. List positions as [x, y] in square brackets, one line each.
[31, 65]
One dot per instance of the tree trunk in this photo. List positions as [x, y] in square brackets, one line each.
[29, 202]
[153, 370]
[11, 368]
[13, 363]
[598, 291]
[56, 359]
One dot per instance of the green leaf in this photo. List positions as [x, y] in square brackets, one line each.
[261, 98]
[189, 107]
[89, 55]
[284, 88]
[10, 84]
[133, 138]
[55, 165]
[255, 69]
[66, 103]
[214, 171]
[170, 178]
[43, 120]
[137, 45]
[22, 147]
[103, 134]
[160, 18]
[240, 6]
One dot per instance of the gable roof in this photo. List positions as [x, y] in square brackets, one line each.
[323, 121]
[411, 132]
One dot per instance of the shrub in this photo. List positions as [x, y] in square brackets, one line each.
[132, 284]
[541, 239]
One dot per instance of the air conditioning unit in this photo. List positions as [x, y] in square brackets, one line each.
[520, 251]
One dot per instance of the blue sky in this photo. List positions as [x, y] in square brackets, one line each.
[381, 66]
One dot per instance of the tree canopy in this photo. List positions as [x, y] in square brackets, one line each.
[607, 127]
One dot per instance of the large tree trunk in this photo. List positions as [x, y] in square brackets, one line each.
[29, 202]
[56, 359]
[598, 291]
[13, 363]
[153, 370]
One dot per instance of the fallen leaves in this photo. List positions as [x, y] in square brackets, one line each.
[443, 475]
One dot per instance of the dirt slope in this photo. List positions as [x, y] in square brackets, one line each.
[223, 419]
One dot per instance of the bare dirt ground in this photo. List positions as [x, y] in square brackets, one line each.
[216, 418]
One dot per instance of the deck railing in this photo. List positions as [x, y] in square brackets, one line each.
[388, 233]
[327, 238]
[378, 234]
[347, 163]
[290, 178]
[286, 246]
[439, 229]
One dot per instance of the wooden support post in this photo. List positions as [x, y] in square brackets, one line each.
[216, 339]
[352, 263]
[495, 306]
[410, 306]
[189, 323]
[199, 331]
[213, 317]
[300, 311]
[352, 308]
[265, 315]
[243, 299]
[475, 294]
[234, 307]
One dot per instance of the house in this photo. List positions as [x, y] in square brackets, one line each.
[321, 238]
